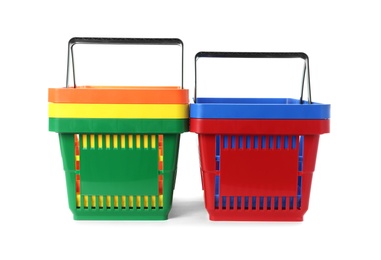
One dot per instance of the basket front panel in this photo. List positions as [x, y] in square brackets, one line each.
[116, 169]
[259, 165]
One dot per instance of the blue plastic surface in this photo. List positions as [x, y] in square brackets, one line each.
[257, 108]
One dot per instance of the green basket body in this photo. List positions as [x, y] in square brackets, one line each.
[120, 176]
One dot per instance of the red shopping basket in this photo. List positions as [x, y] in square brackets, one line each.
[258, 155]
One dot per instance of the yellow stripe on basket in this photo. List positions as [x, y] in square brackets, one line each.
[122, 141]
[68, 110]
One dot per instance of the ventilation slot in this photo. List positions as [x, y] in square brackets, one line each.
[117, 141]
[256, 142]
[261, 203]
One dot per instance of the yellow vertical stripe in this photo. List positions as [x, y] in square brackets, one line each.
[123, 141]
[86, 201]
[93, 201]
[130, 201]
[116, 202]
[107, 141]
[138, 203]
[145, 141]
[130, 141]
[108, 201]
[100, 144]
[100, 201]
[137, 141]
[92, 141]
[146, 201]
[153, 141]
[161, 201]
[115, 141]
[124, 202]
[78, 200]
[84, 141]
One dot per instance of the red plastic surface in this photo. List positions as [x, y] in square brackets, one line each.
[268, 169]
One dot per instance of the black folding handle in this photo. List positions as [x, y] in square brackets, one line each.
[306, 70]
[125, 41]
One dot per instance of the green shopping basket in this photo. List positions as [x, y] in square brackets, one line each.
[119, 145]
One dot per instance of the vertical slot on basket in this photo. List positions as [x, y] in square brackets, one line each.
[218, 148]
[76, 152]
[231, 202]
[84, 141]
[153, 202]
[130, 142]
[240, 142]
[115, 141]
[145, 202]
[145, 141]
[271, 142]
[301, 151]
[124, 202]
[269, 199]
[263, 142]
[138, 202]
[276, 202]
[293, 142]
[284, 202]
[100, 200]
[92, 141]
[86, 201]
[116, 202]
[78, 200]
[161, 153]
[261, 202]
[108, 201]
[93, 202]
[285, 143]
[246, 202]
[161, 184]
[254, 203]
[216, 191]
[255, 145]
[123, 141]
[278, 142]
[130, 202]
[100, 141]
[138, 141]
[153, 141]
[223, 202]
[78, 190]
[291, 202]
[299, 196]
[233, 141]
[248, 142]
[107, 141]
[239, 202]
[226, 141]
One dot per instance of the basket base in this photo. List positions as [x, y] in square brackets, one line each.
[269, 216]
[136, 216]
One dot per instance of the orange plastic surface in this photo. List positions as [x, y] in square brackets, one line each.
[119, 95]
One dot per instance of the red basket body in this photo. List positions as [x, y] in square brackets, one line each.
[257, 169]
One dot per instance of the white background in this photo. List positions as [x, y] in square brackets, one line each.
[342, 41]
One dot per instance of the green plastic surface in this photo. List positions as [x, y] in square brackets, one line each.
[84, 125]
[120, 171]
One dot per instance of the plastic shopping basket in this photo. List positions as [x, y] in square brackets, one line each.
[119, 145]
[258, 154]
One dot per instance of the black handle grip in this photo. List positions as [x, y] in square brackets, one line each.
[140, 41]
[252, 55]
[302, 55]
